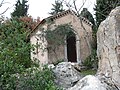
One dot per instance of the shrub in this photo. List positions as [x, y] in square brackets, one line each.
[91, 61]
[29, 79]
[7, 69]
[15, 61]
[88, 62]
[37, 79]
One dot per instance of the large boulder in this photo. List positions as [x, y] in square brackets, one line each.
[66, 74]
[108, 48]
[91, 82]
[88, 83]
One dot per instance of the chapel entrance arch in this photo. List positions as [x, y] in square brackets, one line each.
[71, 48]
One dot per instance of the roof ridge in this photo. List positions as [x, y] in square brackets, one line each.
[56, 16]
[72, 12]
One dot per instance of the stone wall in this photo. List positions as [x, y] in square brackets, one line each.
[80, 33]
[108, 47]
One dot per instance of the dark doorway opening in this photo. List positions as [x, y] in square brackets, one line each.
[71, 49]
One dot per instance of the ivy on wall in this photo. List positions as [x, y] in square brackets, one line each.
[56, 37]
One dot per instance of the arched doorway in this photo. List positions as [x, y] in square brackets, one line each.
[71, 48]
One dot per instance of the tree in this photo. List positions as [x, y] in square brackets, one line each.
[57, 7]
[13, 43]
[21, 9]
[17, 71]
[1, 4]
[86, 14]
[29, 22]
[14, 52]
[103, 9]
[3, 11]
[73, 5]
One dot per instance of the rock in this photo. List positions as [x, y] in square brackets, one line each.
[108, 83]
[78, 67]
[108, 48]
[88, 83]
[51, 66]
[66, 74]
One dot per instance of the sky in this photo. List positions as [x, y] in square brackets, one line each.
[41, 8]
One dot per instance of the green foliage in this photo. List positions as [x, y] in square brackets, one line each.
[7, 68]
[37, 79]
[103, 9]
[16, 67]
[57, 37]
[21, 9]
[13, 43]
[88, 72]
[57, 7]
[30, 79]
[88, 62]
[86, 14]
[91, 61]
[14, 52]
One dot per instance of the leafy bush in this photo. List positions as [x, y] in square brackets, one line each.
[15, 61]
[88, 72]
[13, 43]
[88, 62]
[12, 58]
[91, 61]
[30, 79]
[36, 79]
[7, 68]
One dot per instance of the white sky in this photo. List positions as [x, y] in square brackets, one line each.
[42, 7]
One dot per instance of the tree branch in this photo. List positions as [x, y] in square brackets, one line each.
[82, 5]
[2, 2]
[4, 11]
[74, 2]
